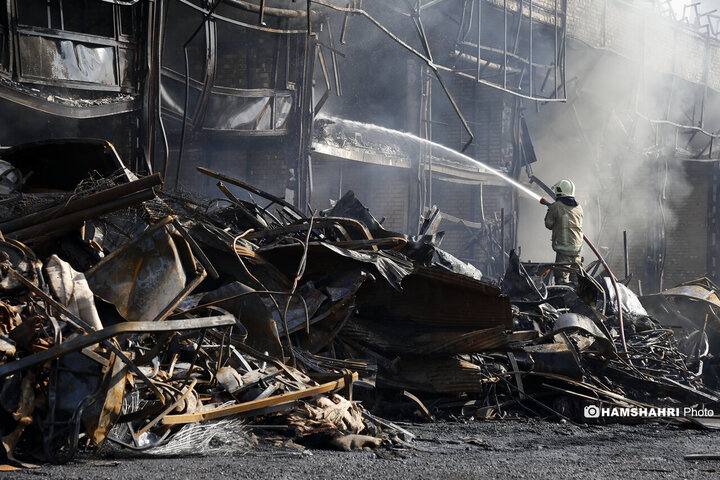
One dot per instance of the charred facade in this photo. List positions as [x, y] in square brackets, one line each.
[265, 92]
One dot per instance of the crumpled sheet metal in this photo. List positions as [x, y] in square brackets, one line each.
[575, 321]
[436, 297]
[453, 264]
[142, 277]
[553, 358]
[72, 290]
[323, 258]
[695, 292]
[434, 375]
[401, 338]
[631, 305]
[684, 305]
[348, 206]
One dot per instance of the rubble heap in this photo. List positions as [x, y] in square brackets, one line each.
[149, 321]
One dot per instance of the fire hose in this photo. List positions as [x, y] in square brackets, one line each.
[613, 280]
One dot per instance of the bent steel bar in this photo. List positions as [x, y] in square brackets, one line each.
[250, 188]
[75, 205]
[78, 343]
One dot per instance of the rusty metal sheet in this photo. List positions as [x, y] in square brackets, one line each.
[574, 321]
[323, 258]
[436, 297]
[114, 385]
[695, 292]
[434, 374]
[143, 277]
[398, 338]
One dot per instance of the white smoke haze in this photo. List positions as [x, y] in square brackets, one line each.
[629, 172]
[626, 170]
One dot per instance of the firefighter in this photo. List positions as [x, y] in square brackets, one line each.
[564, 217]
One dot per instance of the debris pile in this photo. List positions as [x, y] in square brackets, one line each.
[152, 321]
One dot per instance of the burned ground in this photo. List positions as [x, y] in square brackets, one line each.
[443, 450]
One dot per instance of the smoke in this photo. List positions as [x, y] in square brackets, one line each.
[629, 172]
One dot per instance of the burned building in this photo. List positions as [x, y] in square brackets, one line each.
[215, 212]
[75, 69]
[306, 101]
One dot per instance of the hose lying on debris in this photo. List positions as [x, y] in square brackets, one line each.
[543, 201]
[617, 296]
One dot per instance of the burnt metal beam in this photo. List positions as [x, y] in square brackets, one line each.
[59, 224]
[76, 205]
[82, 341]
[202, 25]
[249, 188]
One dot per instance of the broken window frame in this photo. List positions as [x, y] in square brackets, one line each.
[208, 88]
[119, 43]
[5, 42]
[271, 94]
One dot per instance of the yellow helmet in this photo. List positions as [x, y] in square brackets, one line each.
[564, 188]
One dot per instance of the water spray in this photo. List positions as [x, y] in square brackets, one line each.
[453, 153]
[522, 188]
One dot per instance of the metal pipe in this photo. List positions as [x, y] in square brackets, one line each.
[556, 50]
[431, 64]
[76, 205]
[250, 188]
[344, 28]
[262, 13]
[187, 88]
[617, 296]
[333, 57]
[73, 219]
[625, 251]
[162, 13]
[530, 41]
[502, 238]
[479, 41]
[505, 43]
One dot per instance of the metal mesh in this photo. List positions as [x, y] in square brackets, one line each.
[221, 437]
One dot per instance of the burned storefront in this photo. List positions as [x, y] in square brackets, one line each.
[252, 92]
[283, 226]
[75, 69]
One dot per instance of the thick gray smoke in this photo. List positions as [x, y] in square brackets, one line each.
[630, 173]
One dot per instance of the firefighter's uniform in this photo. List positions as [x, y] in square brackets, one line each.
[564, 217]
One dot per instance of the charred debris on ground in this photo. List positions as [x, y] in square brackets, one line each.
[138, 321]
